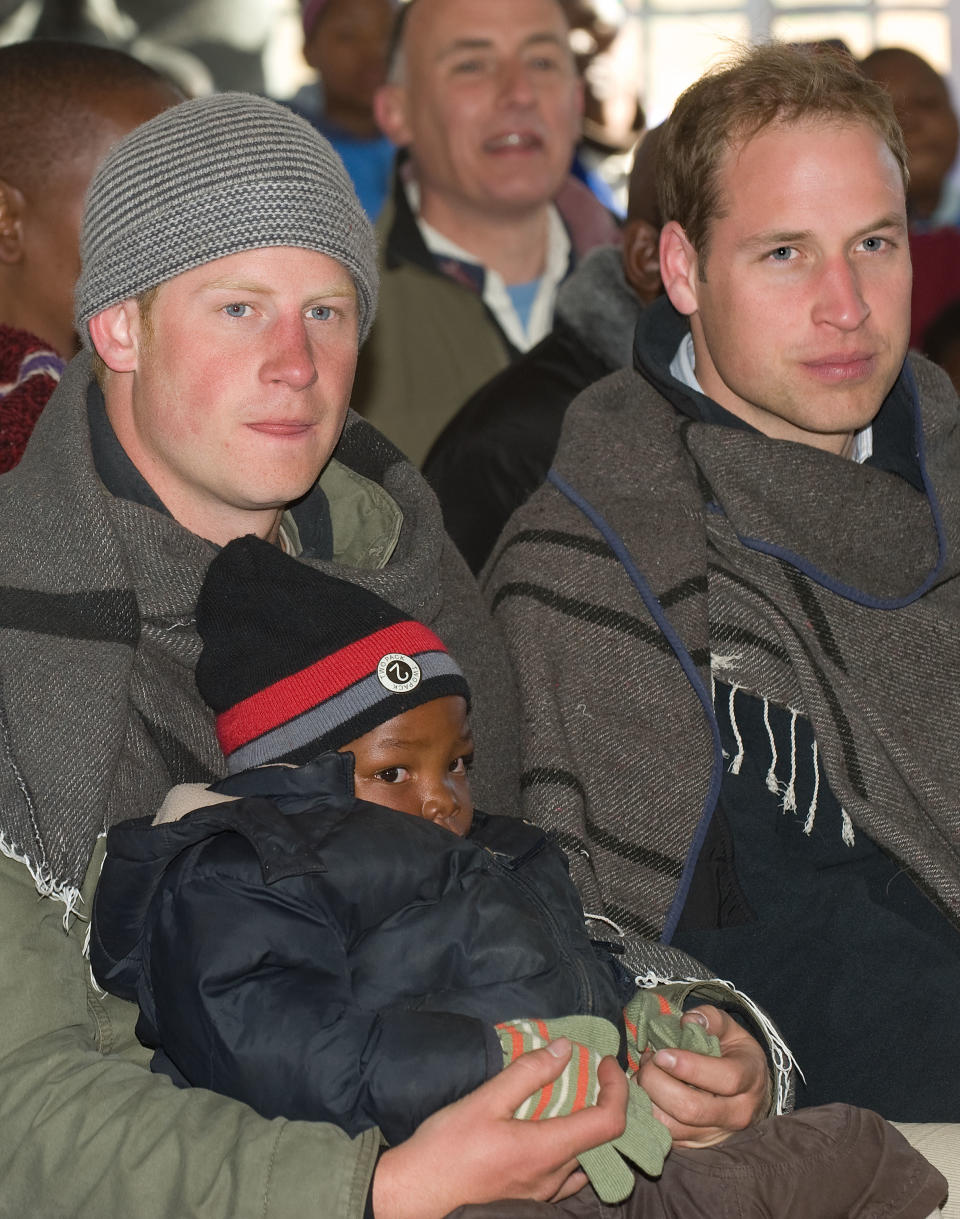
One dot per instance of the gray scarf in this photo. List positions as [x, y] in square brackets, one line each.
[99, 712]
[825, 586]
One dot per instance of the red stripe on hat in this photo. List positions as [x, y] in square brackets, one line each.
[292, 696]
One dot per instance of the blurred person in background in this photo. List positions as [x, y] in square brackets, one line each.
[346, 42]
[925, 112]
[62, 107]
[497, 449]
[484, 101]
[603, 46]
[941, 341]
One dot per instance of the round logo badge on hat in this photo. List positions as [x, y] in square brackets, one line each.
[398, 673]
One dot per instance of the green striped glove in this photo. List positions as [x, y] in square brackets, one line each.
[645, 1141]
[653, 1022]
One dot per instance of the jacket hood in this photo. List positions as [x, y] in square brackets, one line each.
[139, 852]
[598, 304]
[286, 844]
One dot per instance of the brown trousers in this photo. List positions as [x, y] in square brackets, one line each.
[832, 1162]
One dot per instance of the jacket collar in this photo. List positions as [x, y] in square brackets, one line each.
[587, 222]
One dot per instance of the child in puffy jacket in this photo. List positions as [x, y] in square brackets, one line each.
[333, 933]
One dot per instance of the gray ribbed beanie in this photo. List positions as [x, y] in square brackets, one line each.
[208, 178]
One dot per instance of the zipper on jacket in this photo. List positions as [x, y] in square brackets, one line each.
[508, 866]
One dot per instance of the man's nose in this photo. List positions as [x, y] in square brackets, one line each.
[290, 357]
[839, 300]
[516, 84]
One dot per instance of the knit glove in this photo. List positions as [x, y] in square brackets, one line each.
[645, 1141]
[653, 1022]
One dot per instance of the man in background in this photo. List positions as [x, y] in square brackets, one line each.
[497, 449]
[926, 115]
[484, 98]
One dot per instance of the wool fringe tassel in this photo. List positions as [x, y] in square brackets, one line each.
[738, 759]
[787, 791]
[784, 1063]
[812, 810]
[772, 784]
[47, 885]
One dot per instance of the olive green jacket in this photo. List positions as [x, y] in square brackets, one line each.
[99, 715]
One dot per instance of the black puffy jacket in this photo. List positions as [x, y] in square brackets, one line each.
[323, 958]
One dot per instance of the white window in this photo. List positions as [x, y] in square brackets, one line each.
[678, 39]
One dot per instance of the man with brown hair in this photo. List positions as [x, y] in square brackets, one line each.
[733, 609]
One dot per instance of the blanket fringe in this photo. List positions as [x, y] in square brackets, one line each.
[789, 802]
[812, 810]
[738, 759]
[772, 785]
[47, 884]
[784, 1063]
[786, 791]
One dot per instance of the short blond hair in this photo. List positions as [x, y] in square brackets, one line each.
[758, 86]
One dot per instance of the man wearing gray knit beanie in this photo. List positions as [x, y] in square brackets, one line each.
[228, 279]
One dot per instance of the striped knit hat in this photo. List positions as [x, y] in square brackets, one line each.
[211, 177]
[296, 662]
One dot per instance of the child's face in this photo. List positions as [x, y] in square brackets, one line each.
[417, 763]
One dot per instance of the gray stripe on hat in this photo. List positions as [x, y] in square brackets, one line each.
[211, 177]
[320, 721]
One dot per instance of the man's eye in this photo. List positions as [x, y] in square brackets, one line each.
[321, 313]
[236, 310]
[873, 244]
[465, 67]
[393, 774]
[461, 765]
[783, 253]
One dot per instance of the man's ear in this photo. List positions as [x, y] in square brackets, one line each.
[390, 111]
[12, 205]
[115, 333]
[678, 268]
